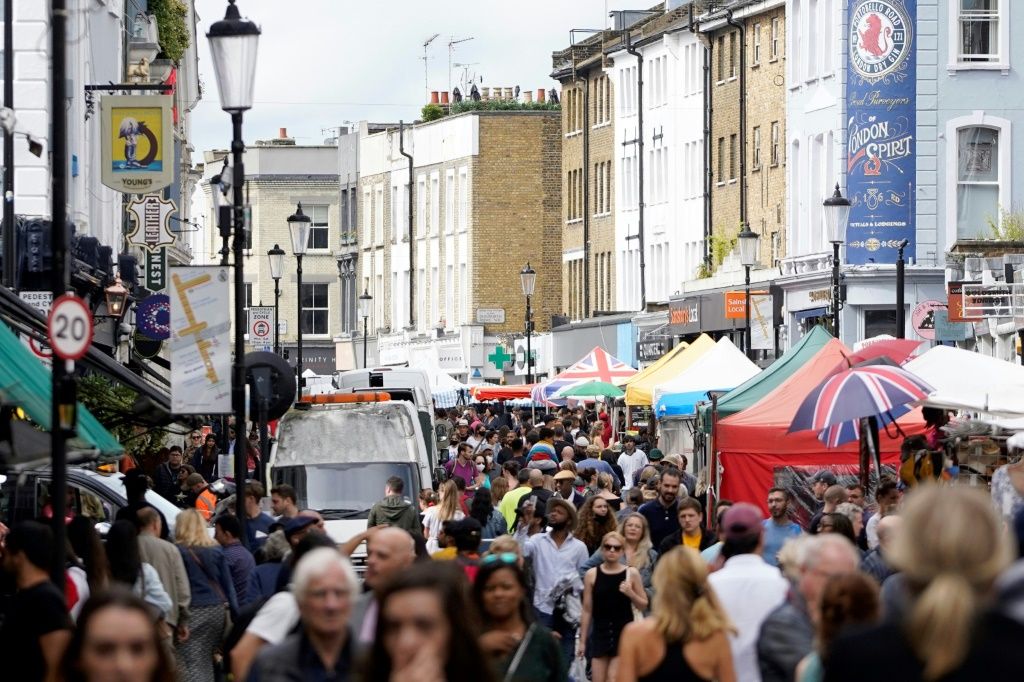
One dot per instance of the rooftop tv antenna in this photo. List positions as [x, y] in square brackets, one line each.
[452, 42]
[426, 77]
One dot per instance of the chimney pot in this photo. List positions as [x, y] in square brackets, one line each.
[508, 93]
[540, 94]
[282, 133]
[444, 97]
[433, 97]
[528, 95]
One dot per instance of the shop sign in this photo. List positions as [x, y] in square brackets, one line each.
[649, 351]
[955, 302]
[156, 269]
[684, 316]
[736, 303]
[137, 142]
[151, 216]
[923, 318]
[450, 355]
[490, 315]
[881, 96]
[949, 331]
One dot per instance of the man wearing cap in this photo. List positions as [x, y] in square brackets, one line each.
[662, 513]
[747, 587]
[565, 489]
[834, 496]
[556, 555]
[820, 482]
[631, 461]
[297, 528]
[200, 496]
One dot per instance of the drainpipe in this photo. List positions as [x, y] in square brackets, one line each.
[640, 166]
[412, 242]
[743, 115]
[708, 110]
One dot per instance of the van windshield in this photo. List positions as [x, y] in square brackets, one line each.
[345, 491]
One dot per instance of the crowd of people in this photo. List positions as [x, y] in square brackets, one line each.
[553, 550]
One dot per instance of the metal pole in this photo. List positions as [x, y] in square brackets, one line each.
[62, 387]
[277, 318]
[901, 315]
[10, 234]
[746, 306]
[238, 367]
[835, 289]
[640, 167]
[365, 336]
[298, 361]
[529, 334]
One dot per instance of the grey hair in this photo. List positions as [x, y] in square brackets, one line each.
[816, 545]
[276, 546]
[315, 564]
[849, 510]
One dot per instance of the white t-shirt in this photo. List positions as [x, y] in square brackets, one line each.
[871, 530]
[432, 522]
[630, 464]
[275, 619]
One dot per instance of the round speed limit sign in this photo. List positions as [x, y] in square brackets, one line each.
[69, 327]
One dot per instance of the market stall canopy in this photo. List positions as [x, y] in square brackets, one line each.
[597, 365]
[722, 368]
[755, 443]
[640, 387]
[445, 390]
[26, 383]
[968, 380]
[748, 393]
[591, 390]
[484, 392]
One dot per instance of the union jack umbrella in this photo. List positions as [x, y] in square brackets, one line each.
[597, 365]
[868, 391]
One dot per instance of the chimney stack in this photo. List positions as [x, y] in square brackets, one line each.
[282, 133]
[444, 98]
[433, 97]
[540, 94]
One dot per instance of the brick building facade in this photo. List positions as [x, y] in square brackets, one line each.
[588, 178]
[763, 32]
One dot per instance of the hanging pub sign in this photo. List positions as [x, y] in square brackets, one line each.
[137, 142]
[881, 93]
[151, 216]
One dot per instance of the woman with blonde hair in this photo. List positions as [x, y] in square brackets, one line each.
[950, 549]
[611, 591]
[213, 593]
[595, 519]
[686, 637]
[639, 553]
[447, 509]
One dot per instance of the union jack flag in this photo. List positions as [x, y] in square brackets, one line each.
[597, 365]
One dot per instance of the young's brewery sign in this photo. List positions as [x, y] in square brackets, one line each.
[881, 129]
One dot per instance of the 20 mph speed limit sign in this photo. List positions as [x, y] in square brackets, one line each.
[69, 327]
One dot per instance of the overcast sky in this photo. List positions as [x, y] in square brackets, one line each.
[323, 62]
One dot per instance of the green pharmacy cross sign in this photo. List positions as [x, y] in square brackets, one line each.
[499, 357]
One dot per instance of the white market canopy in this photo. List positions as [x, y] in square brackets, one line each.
[722, 368]
[966, 380]
[445, 390]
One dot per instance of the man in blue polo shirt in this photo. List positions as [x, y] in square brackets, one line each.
[778, 528]
[662, 513]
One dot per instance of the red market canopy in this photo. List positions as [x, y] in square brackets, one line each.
[754, 443]
[490, 392]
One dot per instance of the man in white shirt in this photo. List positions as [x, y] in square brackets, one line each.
[748, 588]
[630, 461]
[556, 555]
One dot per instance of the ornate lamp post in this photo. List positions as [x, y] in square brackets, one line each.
[365, 300]
[276, 258]
[299, 225]
[748, 258]
[837, 214]
[528, 277]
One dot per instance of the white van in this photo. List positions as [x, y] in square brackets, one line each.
[338, 455]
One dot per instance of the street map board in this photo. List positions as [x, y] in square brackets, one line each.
[200, 343]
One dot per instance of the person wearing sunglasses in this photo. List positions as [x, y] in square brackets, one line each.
[611, 592]
[519, 648]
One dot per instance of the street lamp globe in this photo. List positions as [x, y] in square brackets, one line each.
[299, 225]
[529, 279]
[837, 214]
[364, 304]
[748, 246]
[233, 44]
[276, 258]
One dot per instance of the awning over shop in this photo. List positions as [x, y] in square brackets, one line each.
[26, 383]
[748, 393]
[720, 369]
[640, 387]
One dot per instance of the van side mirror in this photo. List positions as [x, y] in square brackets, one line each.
[442, 434]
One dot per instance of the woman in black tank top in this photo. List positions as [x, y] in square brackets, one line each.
[611, 591]
[686, 637]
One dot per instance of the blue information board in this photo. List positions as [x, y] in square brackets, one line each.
[881, 93]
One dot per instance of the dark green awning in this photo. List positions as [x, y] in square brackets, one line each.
[25, 382]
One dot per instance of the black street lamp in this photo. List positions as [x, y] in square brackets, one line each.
[837, 214]
[299, 225]
[528, 277]
[901, 315]
[748, 258]
[233, 43]
[364, 312]
[276, 258]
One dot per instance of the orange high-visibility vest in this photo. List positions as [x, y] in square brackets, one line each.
[206, 503]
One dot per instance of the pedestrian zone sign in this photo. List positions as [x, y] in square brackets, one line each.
[261, 327]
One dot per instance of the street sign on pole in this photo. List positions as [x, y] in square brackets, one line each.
[261, 328]
[40, 300]
[69, 327]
